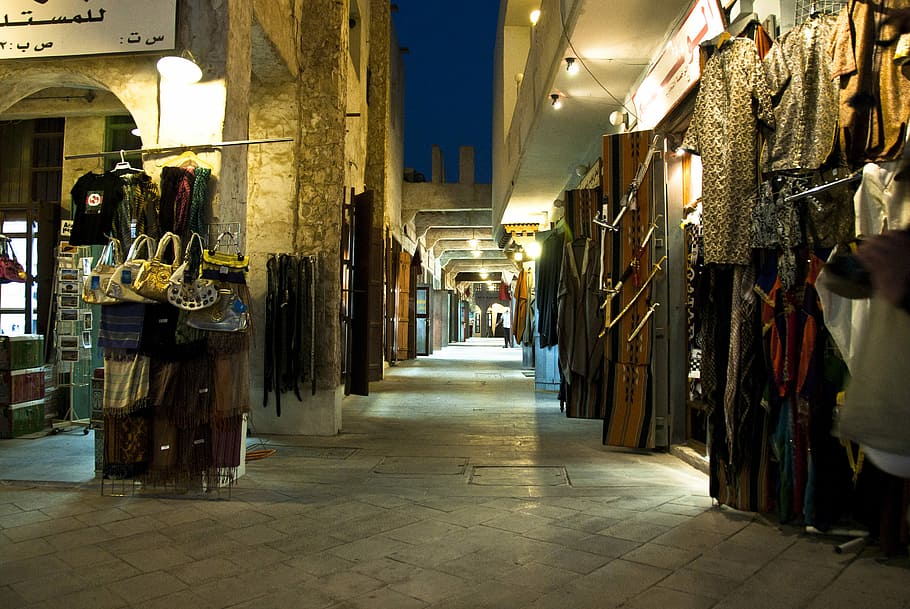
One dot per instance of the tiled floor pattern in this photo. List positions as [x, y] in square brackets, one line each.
[453, 485]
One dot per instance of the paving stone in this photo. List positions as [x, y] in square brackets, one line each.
[634, 531]
[538, 576]
[665, 598]
[15, 517]
[429, 586]
[625, 579]
[698, 582]
[147, 586]
[156, 559]
[605, 545]
[424, 532]
[91, 598]
[371, 548]
[205, 570]
[575, 561]
[665, 557]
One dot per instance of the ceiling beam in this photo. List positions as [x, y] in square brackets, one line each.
[485, 255]
[429, 196]
[425, 220]
[435, 234]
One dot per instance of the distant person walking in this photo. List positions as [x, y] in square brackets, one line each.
[507, 328]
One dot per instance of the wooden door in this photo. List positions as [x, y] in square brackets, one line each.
[361, 264]
[404, 299]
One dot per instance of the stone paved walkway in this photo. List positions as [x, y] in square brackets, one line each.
[453, 485]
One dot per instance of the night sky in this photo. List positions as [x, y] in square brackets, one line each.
[448, 81]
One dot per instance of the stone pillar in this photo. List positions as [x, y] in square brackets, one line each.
[439, 166]
[466, 165]
[379, 120]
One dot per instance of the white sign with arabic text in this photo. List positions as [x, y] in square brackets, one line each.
[59, 28]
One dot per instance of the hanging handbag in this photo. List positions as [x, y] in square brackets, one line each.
[120, 287]
[154, 277]
[228, 314]
[10, 269]
[95, 283]
[230, 266]
[187, 290]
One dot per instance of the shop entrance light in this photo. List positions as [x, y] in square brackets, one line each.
[181, 69]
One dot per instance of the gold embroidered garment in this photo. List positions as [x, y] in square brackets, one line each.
[733, 96]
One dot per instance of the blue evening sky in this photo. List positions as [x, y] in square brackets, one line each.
[448, 81]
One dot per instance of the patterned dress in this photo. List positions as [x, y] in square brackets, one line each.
[733, 97]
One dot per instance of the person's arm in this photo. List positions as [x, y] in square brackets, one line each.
[887, 259]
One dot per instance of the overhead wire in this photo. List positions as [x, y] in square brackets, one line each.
[579, 59]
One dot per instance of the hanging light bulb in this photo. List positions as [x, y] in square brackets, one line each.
[555, 101]
[535, 16]
[571, 66]
[473, 241]
[533, 250]
[180, 69]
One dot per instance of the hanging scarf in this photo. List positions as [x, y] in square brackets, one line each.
[126, 382]
[121, 326]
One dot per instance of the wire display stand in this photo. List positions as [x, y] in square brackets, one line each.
[806, 9]
[196, 488]
[72, 326]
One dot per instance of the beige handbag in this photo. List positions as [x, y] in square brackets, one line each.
[154, 277]
[95, 283]
[120, 287]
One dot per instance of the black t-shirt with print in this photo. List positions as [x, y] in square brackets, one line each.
[95, 200]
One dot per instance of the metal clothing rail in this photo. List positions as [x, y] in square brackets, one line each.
[175, 148]
[853, 177]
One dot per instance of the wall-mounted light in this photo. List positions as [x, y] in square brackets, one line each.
[533, 250]
[571, 66]
[135, 131]
[518, 255]
[181, 69]
[555, 101]
[618, 117]
[535, 16]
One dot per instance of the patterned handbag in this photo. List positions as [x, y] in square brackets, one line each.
[120, 287]
[187, 290]
[95, 283]
[154, 277]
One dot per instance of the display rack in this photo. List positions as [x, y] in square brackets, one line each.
[72, 331]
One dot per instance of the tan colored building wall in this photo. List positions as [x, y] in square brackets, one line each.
[272, 68]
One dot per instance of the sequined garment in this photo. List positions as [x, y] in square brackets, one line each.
[776, 223]
[732, 98]
[806, 97]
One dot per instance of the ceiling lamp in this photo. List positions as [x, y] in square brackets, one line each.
[571, 66]
[555, 101]
[181, 69]
[535, 16]
[484, 274]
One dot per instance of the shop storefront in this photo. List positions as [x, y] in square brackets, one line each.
[225, 163]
